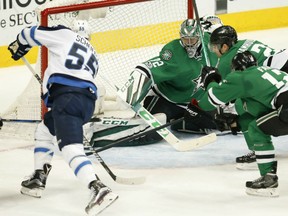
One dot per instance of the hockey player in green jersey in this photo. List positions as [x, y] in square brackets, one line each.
[224, 42]
[168, 81]
[263, 92]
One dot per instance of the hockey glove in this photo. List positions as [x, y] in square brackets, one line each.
[209, 74]
[196, 115]
[18, 50]
[210, 23]
[226, 121]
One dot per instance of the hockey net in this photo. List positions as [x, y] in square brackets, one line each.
[124, 34]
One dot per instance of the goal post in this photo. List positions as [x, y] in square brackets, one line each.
[127, 33]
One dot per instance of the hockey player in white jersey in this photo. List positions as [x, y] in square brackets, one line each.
[70, 93]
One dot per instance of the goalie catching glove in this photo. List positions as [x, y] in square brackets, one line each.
[17, 49]
[209, 74]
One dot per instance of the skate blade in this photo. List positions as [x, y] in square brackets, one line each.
[36, 192]
[268, 192]
[107, 201]
[247, 166]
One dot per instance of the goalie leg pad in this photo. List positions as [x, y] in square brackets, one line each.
[104, 135]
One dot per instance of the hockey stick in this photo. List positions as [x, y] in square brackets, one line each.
[31, 69]
[118, 179]
[96, 120]
[201, 32]
[207, 60]
[127, 139]
[153, 122]
[122, 180]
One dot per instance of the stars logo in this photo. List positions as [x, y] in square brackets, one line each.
[197, 80]
[198, 84]
[166, 55]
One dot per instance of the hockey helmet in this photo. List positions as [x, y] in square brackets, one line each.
[82, 28]
[210, 22]
[243, 60]
[224, 35]
[190, 37]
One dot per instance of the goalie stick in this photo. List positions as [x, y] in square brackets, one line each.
[177, 144]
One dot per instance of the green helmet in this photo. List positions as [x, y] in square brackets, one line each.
[190, 36]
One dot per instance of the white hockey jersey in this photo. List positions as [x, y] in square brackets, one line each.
[72, 59]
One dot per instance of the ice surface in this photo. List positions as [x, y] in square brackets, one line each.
[203, 182]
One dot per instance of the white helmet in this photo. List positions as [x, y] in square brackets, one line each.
[82, 28]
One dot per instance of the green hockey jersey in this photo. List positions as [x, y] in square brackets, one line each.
[258, 49]
[174, 74]
[256, 86]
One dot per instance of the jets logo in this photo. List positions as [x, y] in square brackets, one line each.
[166, 55]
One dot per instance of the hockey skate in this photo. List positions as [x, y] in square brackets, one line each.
[101, 198]
[247, 162]
[36, 183]
[264, 186]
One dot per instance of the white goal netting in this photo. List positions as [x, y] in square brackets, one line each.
[123, 35]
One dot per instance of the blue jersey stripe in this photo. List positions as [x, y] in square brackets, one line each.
[84, 163]
[71, 81]
[43, 150]
[32, 35]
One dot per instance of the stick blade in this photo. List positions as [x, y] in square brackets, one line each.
[130, 181]
[196, 143]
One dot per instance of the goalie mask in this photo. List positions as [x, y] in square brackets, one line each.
[242, 61]
[190, 37]
[82, 28]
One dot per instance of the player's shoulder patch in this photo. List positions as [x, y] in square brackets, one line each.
[166, 55]
[148, 64]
